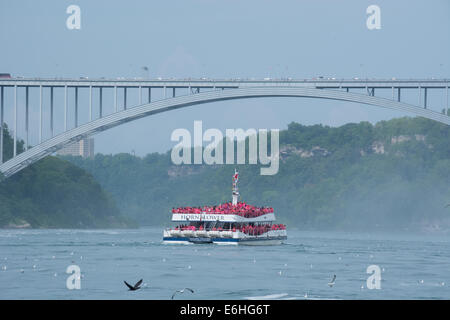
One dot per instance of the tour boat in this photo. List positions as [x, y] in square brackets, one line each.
[234, 222]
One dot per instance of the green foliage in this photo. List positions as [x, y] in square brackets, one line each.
[351, 185]
[8, 144]
[54, 193]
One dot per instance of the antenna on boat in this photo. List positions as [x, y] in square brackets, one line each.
[235, 187]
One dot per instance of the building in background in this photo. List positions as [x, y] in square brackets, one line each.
[84, 148]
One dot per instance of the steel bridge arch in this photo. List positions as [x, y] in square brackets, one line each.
[59, 141]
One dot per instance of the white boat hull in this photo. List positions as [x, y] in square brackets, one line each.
[231, 238]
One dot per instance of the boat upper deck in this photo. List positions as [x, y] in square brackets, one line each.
[234, 211]
[240, 208]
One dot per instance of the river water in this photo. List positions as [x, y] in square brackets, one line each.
[33, 265]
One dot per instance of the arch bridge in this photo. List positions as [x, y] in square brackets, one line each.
[190, 92]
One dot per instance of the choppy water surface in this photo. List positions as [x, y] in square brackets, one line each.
[33, 265]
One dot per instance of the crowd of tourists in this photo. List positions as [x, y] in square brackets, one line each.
[241, 208]
[248, 229]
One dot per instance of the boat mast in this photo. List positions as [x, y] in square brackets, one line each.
[235, 187]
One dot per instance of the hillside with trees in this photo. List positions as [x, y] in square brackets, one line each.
[54, 193]
[394, 175]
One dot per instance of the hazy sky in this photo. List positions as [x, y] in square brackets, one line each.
[227, 39]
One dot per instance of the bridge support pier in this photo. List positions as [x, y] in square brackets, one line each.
[447, 97]
[65, 108]
[125, 98]
[1, 124]
[90, 103]
[100, 94]
[41, 113]
[419, 102]
[26, 117]
[15, 122]
[51, 112]
[76, 107]
[115, 99]
[140, 95]
[447, 101]
[149, 94]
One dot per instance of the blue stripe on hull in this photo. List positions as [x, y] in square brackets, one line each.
[262, 239]
[175, 239]
[225, 240]
[228, 240]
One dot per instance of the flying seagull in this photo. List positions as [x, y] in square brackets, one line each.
[135, 287]
[331, 283]
[182, 291]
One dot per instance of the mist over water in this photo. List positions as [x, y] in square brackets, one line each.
[33, 265]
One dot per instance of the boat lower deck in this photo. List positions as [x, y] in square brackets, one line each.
[226, 232]
[257, 240]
